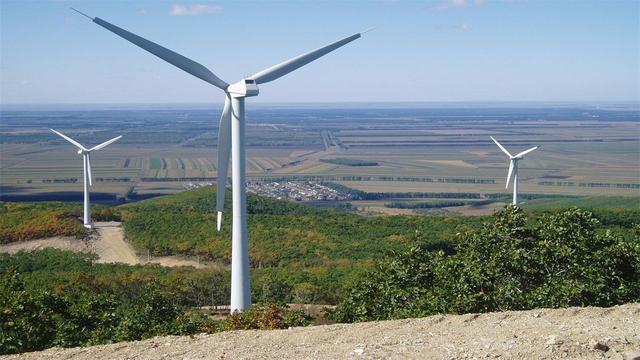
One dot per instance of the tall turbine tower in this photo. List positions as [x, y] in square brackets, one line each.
[86, 161]
[230, 139]
[513, 168]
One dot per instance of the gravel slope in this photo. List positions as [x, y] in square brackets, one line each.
[576, 333]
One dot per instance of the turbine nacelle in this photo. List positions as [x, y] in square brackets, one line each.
[243, 88]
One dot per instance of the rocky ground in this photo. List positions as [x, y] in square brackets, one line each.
[573, 333]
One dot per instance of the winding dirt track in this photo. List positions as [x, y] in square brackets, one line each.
[108, 243]
[573, 333]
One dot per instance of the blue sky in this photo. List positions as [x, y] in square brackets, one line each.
[449, 50]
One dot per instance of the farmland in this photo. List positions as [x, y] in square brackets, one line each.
[585, 149]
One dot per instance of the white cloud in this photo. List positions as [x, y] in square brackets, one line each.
[465, 26]
[195, 9]
[456, 4]
[141, 12]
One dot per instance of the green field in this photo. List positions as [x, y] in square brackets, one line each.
[415, 151]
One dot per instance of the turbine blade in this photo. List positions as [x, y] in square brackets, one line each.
[81, 13]
[500, 146]
[290, 65]
[509, 175]
[70, 140]
[526, 151]
[224, 150]
[196, 69]
[98, 147]
[89, 169]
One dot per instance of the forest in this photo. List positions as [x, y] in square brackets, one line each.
[61, 298]
[325, 247]
[371, 267]
[512, 262]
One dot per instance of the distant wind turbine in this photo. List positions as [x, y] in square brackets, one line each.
[88, 177]
[230, 139]
[513, 167]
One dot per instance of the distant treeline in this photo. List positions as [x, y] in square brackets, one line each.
[113, 179]
[527, 196]
[323, 178]
[423, 204]
[589, 185]
[59, 196]
[75, 180]
[177, 179]
[363, 195]
[60, 181]
[349, 162]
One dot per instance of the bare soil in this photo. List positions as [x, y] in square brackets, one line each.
[108, 243]
[58, 242]
[573, 333]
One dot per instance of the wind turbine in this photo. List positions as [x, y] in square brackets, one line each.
[513, 168]
[88, 178]
[230, 139]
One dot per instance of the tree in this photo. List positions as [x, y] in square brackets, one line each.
[559, 260]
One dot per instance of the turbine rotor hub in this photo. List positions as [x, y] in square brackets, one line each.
[243, 88]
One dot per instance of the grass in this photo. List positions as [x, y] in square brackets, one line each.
[412, 146]
[587, 202]
[156, 163]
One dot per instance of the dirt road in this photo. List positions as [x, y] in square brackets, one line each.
[58, 242]
[108, 243]
[574, 333]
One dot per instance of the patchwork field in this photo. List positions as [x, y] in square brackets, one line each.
[585, 150]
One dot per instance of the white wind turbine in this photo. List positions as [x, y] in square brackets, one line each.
[230, 139]
[88, 177]
[513, 168]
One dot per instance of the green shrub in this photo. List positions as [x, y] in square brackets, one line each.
[560, 260]
[35, 319]
[27, 221]
[266, 317]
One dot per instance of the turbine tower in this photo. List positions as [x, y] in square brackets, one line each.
[513, 168]
[230, 139]
[86, 161]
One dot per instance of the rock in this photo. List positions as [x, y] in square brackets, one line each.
[359, 351]
[553, 340]
[632, 355]
[597, 345]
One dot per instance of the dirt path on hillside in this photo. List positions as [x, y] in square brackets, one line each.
[108, 243]
[574, 333]
[58, 242]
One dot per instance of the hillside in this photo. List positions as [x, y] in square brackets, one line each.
[298, 253]
[594, 333]
[373, 268]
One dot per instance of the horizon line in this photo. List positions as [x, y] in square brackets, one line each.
[637, 101]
